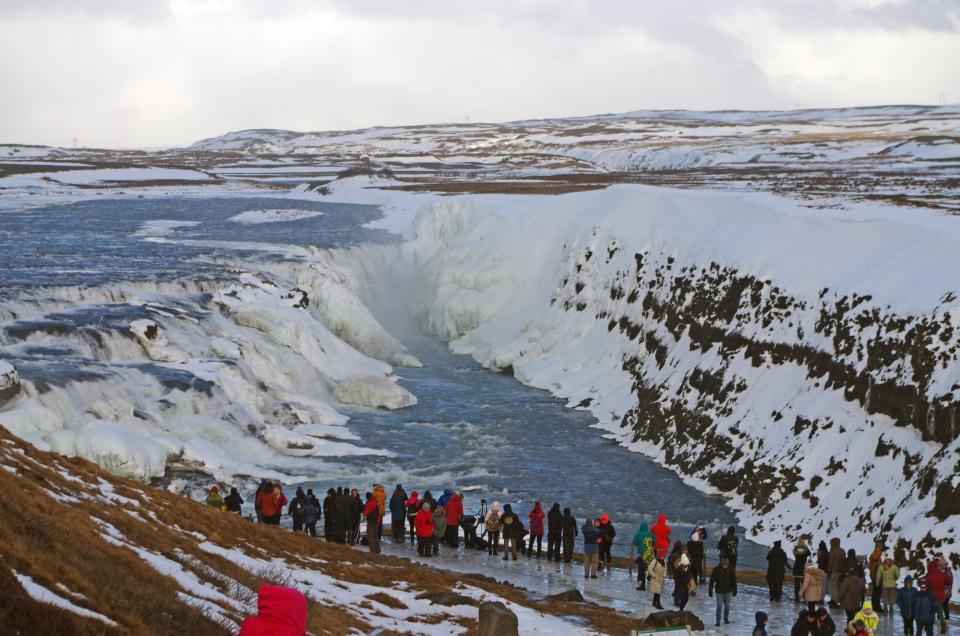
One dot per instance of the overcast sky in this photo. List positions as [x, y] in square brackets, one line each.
[146, 73]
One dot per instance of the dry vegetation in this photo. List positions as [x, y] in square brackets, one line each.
[49, 503]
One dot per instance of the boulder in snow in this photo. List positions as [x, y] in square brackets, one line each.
[496, 619]
[154, 342]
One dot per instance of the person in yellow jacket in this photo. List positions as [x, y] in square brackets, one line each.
[868, 617]
[214, 500]
[888, 574]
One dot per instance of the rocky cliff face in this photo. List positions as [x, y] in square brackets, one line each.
[805, 366]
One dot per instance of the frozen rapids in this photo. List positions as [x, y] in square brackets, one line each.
[161, 337]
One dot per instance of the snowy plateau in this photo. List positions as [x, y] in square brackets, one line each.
[766, 303]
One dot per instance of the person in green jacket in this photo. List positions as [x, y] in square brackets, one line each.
[642, 547]
[214, 500]
[888, 574]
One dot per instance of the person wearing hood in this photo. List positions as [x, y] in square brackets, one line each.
[888, 574]
[423, 523]
[607, 533]
[536, 529]
[412, 507]
[492, 525]
[825, 623]
[729, 545]
[295, 509]
[683, 583]
[454, 510]
[445, 497]
[776, 571]
[439, 527]
[760, 624]
[428, 498]
[591, 549]
[661, 533]
[801, 554]
[906, 599]
[851, 593]
[697, 554]
[723, 581]
[812, 588]
[234, 501]
[570, 533]
[674, 558]
[823, 555]
[398, 514]
[311, 513]
[835, 561]
[642, 547]
[926, 609]
[656, 572]
[281, 611]
[868, 617]
[511, 528]
[554, 532]
[937, 584]
[214, 500]
[371, 512]
[853, 562]
[380, 494]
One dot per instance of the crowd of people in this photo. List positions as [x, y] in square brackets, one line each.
[829, 578]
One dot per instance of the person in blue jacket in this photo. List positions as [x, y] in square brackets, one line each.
[591, 548]
[906, 598]
[926, 607]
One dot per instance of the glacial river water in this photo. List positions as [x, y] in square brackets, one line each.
[474, 430]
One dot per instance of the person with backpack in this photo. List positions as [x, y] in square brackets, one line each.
[398, 514]
[423, 524]
[311, 513]
[492, 525]
[776, 571]
[234, 502]
[697, 554]
[906, 600]
[642, 546]
[607, 533]
[723, 581]
[801, 554]
[656, 573]
[295, 510]
[661, 532]
[554, 532]
[454, 510]
[926, 609]
[511, 529]
[728, 545]
[412, 507]
[569, 534]
[536, 529]
[591, 548]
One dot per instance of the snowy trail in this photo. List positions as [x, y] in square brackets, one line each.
[617, 589]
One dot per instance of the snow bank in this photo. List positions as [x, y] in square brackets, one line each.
[39, 593]
[374, 391]
[766, 351]
[113, 447]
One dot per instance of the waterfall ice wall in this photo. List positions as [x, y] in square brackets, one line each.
[802, 362]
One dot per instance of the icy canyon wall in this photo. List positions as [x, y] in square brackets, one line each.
[802, 362]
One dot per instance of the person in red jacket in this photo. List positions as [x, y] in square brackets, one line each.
[423, 523]
[271, 504]
[661, 535]
[282, 611]
[371, 512]
[454, 509]
[536, 528]
[937, 584]
[413, 507]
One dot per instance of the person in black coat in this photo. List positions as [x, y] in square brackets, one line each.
[776, 570]
[295, 509]
[570, 532]
[234, 501]
[554, 532]
[328, 509]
